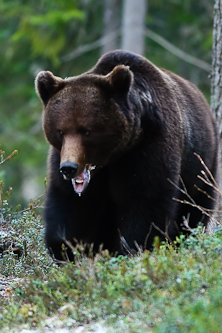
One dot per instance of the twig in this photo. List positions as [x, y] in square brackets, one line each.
[147, 236]
[204, 211]
[204, 192]
[184, 190]
[138, 248]
[209, 181]
[207, 169]
[150, 34]
[126, 246]
[31, 206]
[91, 46]
[162, 232]
[9, 157]
[177, 52]
[27, 209]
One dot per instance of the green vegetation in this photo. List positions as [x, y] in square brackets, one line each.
[167, 290]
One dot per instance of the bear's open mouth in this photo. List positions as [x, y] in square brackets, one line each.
[81, 182]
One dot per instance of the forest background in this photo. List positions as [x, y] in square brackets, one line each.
[67, 38]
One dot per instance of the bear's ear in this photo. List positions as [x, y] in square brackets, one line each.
[46, 85]
[120, 79]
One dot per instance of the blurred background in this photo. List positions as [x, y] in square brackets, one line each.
[67, 37]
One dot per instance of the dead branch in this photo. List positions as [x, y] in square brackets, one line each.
[177, 52]
[9, 157]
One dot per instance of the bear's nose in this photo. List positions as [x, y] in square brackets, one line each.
[68, 170]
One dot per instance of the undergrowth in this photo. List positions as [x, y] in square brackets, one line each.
[22, 249]
[168, 290]
[172, 289]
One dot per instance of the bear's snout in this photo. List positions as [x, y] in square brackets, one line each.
[68, 169]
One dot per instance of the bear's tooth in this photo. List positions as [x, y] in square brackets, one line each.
[78, 181]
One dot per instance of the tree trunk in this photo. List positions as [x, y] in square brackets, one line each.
[133, 25]
[216, 81]
[111, 26]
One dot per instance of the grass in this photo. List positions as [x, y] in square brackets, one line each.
[168, 290]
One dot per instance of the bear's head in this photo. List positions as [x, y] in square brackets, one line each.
[89, 119]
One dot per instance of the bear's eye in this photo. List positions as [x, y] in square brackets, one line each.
[60, 132]
[85, 132]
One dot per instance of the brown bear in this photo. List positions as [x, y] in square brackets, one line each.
[123, 140]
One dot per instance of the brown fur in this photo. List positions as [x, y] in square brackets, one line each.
[141, 126]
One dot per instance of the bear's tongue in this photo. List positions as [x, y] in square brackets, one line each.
[80, 183]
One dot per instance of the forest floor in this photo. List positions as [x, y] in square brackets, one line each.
[171, 289]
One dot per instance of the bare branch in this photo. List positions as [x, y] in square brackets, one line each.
[206, 168]
[125, 245]
[9, 157]
[162, 232]
[177, 52]
[89, 47]
[150, 34]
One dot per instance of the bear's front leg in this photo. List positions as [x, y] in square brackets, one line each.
[57, 230]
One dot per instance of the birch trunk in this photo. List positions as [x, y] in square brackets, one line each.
[133, 25]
